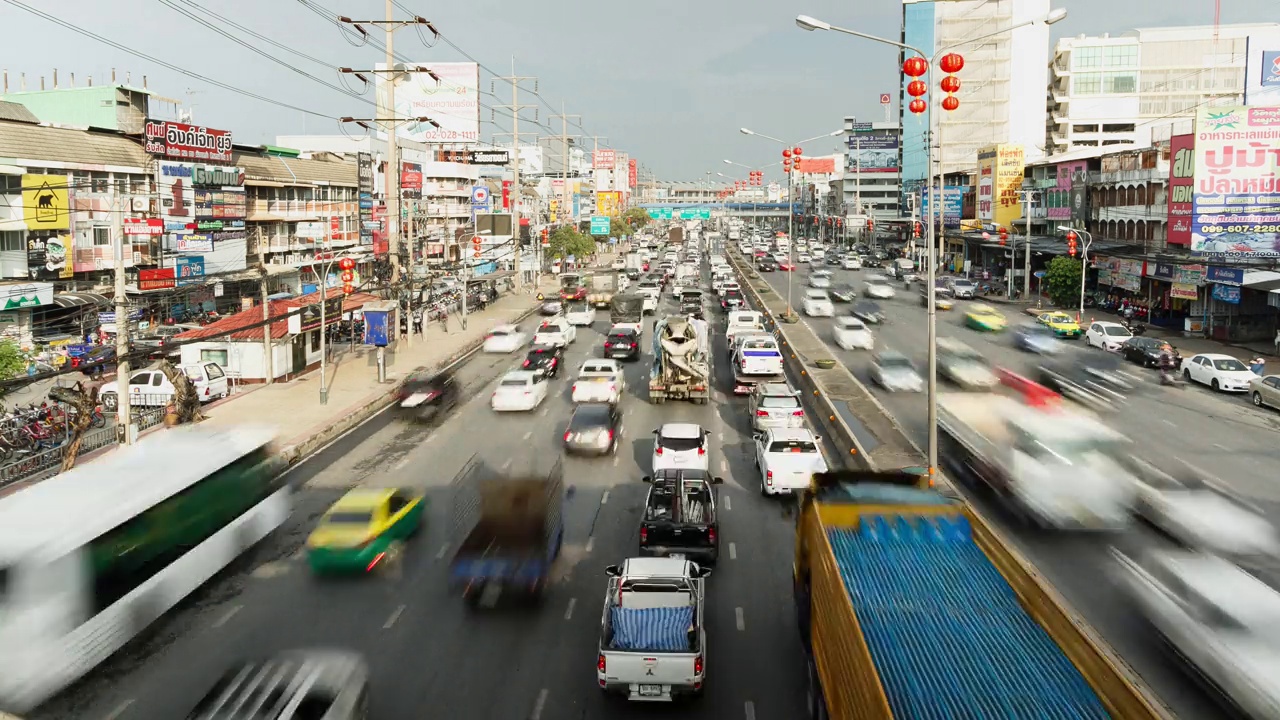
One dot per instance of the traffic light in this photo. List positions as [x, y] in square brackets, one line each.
[1004, 236]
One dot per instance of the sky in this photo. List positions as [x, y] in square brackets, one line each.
[668, 81]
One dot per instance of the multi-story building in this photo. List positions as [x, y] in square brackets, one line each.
[872, 178]
[1002, 77]
[1111, 90]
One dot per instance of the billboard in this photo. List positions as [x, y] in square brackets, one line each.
[1262, 68]
[952, 197]
[603, 159]
[364, 192]
[46, 204]
[816, 166]
[180, 141]
[1236, 201]
[633, 174]
[411, 180]
[1182, 165]
[450, 107]
[609, 202]
[872, 154]
[1000, 173]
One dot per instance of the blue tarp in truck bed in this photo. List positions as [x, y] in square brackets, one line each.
[946, 633]
[658, 629]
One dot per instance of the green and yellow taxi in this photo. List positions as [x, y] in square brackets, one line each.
[985, 318]
[363, 530]
[1062, 324]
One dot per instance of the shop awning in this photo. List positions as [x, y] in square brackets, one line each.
[1264, 280]
[78, 299]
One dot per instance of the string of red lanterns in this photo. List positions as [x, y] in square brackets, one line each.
[916, 67]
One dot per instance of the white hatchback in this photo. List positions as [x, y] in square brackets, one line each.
[504, 339]
[519, 391]
[680, 446]
[580, 315]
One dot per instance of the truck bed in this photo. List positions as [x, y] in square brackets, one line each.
[946, 632]
[980, 413]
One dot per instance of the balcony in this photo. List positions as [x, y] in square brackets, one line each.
[1125, 176]
[1146, 213]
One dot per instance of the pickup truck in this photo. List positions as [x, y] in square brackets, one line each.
[680, 518]
[1056, 465]
[508, 531]
[652, 640]
[910, 605]
[756, 359]
[555, 331]
[599, 380]
[743, 321]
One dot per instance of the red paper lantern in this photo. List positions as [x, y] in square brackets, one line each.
[950, 84]
[797, 152]
[786, 153]
[916, 88]
[915, 66]
[917, 106]
[951, 63]
[950, 102]
[348, 288]
[1071, 236]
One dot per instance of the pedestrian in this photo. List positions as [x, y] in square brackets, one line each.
[1258, 366]
[444, 319]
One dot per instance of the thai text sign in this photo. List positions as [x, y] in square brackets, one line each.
[186, 142]
[1236, 202]
[1182, 166]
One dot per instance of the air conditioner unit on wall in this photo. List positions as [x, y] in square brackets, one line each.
[139, 204]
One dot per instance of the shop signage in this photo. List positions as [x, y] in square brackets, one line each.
[1236, 194]
[309, 318]
[311, 230]
[157, 279]
[1160, 271]
[411, 180]
[47, 255]
[604, 159]
[489, 157]
[181, 141]
[109, 317]
[203, 175]
[364, 179]
[195, 243]
[143, 226]
[1227, 294]
[45, 202]
[25, 295]
[188, 270]
[1184, 291]
[1188, 274]
[1182, 166]
[1224, 276]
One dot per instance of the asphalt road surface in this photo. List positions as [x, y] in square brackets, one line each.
[1221, 434]
[429, 655]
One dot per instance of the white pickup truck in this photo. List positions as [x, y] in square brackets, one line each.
[599, 381]
[1057, 465]
[555, 331]
[652, 639]
[743, 321]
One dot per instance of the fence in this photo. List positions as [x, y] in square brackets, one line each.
[40, 464]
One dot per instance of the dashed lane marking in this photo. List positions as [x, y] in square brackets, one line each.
[724, 466]
[528, 435]
[539, 705]
[616, 460]
[443, 549]
[506, 465]
[733, 551]
[119, 710]
[749, 710]
[738, 619]
[395, 615]
[226, 617]
[568, 613]
[728, 503]
[604, 499]
[544, 412]
[400, 465]
[591, 543]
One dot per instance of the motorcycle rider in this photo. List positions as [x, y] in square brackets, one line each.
[1168, 365]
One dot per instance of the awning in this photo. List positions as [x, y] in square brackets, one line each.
[1264, 280]
[77, 299]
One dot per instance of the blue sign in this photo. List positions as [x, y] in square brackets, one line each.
[188, 270]
[1039, 274]
[952, 197]
[378, 327]
[1227, 294]
[479, 195]
[1224, 275]
[1161, 271]
[1270, 68]
[600, 224]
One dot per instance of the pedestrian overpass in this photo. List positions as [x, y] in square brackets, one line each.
[690, 211]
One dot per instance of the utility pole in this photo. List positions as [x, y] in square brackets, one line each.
[390, 122]
[123, 403]
[268, 365]
[515, 107]
[1027, 197]
[564, 138]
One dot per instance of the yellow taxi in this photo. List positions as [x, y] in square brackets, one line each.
[985, 318]
[363, 529]
[1062, 324]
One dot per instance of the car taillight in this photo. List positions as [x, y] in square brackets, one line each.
[798, 413]
[553, 362]
[644, 535]
[600, 664]
[711, 535]
[702, 451]
[762, 413]
[567, 435]
[657, 450]
[609, 432]
[768, 477]
[526, 364]
[634, 346]
[574, 388]
[613, 388]
[697, 665]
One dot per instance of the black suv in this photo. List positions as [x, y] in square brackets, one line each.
[622, 344]
[680, 516]
[767, 264]
[427, 396]
[544, 360]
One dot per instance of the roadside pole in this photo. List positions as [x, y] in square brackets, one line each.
[123, 401]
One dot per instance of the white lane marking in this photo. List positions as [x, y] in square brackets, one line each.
[443, 549]
[738, 619]
[568, 613]
[728, 503]
[539, 705]
[528, 435]
[1220, 446]
[226, 617]
[733, 551]
[724, 466]
[400, 465]
[394, 617]
[119, 710]
[604, 499]
[616, 460]
[749, 710]
[591, 543]
[506, 465]
[544, 412]
[720, 437]
[1169, 422]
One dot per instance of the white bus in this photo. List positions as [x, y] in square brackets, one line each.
[91, 557]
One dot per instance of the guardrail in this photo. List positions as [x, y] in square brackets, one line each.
[28, 465]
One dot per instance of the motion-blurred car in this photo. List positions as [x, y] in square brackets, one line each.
[594, 429]
[964, 366]
[1096, 380]
[766, 264]
[843, 293]
[551, 308]
[1145, 351]
[818, 304]
[962, 288]
[869, 313]
[894, 372]
[555, 331]
[985, 318]
[878, 287]
[851, 263]
[940, 299]
[1062, 324]
[1265, 391]
[579, 314]
[786, 267]
[622, 343]
[505, 339]
[362, 529]
[1036, 339]
[544, 360]
[599, 381]
[1106, 335]
[1221, 372]
[428, 396]
[519, 391]
[850, 333]
[820, 279]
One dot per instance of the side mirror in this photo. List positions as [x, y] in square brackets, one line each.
[613, 571]
[701, 572]
[647, 478]
[717, 481]
[817, 438]
[655, 432]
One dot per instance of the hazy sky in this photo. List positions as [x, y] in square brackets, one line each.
[669, 82]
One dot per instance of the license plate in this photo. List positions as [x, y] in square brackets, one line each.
[414, 400]
[651, 690]
[621, 345]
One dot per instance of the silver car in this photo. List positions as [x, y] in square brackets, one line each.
[894, 372]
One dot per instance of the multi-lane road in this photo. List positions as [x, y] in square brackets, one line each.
[431, 656]
[1220, 434]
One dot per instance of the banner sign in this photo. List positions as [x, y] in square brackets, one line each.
[157, 279]
[1224, 275]
[45, 202]
[143, 226]
[872, 154]
[186, 142]
[1227, 294]
[1236, 202]
[633, 173]
[952, 197]
[489, 157]
[604, 159]
[188, 270]
[436, 111]
[411, 180]
[364, 191]
[1182, 165]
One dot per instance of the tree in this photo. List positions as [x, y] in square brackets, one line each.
[636, 218]
[1062, 281]
[566, 240]
[13, 362]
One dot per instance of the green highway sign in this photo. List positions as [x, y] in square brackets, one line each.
[696, 214]
[660, 213]
[600, 224]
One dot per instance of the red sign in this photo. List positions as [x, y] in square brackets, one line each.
[506, 194]
[604, 159]
[1182, 165]
[411, 177]
[825, 166]
[158, 279]
[143, 226]
[633, 173]
[186, 142]
[335, 225]
[885, 99]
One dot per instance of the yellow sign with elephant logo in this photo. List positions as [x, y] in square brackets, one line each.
[45, 203]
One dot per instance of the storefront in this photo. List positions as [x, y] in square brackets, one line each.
[1170, 291]
[1236, 305]
[17, 303]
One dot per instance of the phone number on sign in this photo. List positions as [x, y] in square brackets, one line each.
[1239, 228]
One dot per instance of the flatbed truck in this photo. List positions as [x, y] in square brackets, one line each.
[910, 605]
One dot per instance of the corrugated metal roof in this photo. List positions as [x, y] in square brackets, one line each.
[16, 112]
[69, 145]
[279, 328]
[290, 171]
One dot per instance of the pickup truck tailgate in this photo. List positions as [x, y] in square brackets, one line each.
[595, 389]
[651, 675]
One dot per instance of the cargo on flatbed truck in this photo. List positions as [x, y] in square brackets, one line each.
[911, 606]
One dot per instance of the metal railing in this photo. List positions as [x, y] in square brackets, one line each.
[28, 465]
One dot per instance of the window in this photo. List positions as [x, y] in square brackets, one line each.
[215, 371]
[679, 444]
[101, 182]
[1086, 84]
[315, 340]
[1121, 56]
[215, 356]
[1086, 57]
[1121, 82]
[779, 401]
[12, 184]
[11, 242]
[349, 517]
[136, 550]
[102, 236]
[396, 503]
[793, 446]
[157, 379]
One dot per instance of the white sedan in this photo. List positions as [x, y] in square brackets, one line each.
[851, 263]
[519, 391]
[894, 372]
[1220, 372]
[850, 333]
[818, 304]
[787, 459]
[1106, 335]
[803, 257]
[556, 331]
[878, 287]
[580, 315]
[505, 339]
[820, 279]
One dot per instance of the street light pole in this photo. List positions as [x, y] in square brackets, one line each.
[1084, 261]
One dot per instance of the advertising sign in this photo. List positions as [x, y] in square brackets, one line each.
[607, 202]
[816, 166]
[1227, 294]
[143, 226]
[1058, 205]
[479, 196]
[364, 190]
[986, 186]
[1262, 67]
[180, 141]
[312, 230]
[1224, 275]
[157, 279]
[886, 99]
[603, 159]
[47, 255]
[952, 197]
[188, 270]
[872, 154]
[1010, 170]
[13, 297]
[1182, 165]
[411, 180]
[633, 173]
[600, 224]
[177, 197]
[45, 202]
[489, 157]
[1236, 201]
[449, 109]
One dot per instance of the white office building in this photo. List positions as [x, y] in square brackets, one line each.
[872, 180]
[1111, 90]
